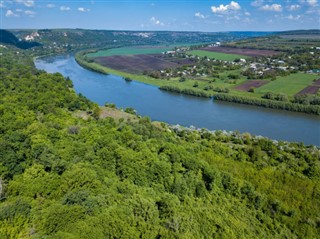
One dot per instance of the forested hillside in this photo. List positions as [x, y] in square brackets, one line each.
[7, 37]
[62, 176]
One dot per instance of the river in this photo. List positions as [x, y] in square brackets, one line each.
[185, 110]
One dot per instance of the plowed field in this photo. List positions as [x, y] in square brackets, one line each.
[137, 64]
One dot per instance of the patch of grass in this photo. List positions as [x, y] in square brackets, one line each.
[289, 85]
[131, 51]
[216, 55]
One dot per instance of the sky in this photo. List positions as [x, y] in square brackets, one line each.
[173, 15]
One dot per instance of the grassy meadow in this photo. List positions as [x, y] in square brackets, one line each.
[131, 51]
[216, 55]
[289, 85]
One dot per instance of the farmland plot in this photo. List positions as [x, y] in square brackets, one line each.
[241, 51]
[246, 86]
[137, 64]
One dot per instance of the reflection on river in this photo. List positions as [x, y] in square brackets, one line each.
[185, 110]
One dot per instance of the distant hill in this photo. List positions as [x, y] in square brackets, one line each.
[301, 32]
[81, 38]
[9, 38]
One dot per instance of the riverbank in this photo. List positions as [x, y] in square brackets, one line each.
[105, 70]
[182, 109]
[222, 136]
[174, 86]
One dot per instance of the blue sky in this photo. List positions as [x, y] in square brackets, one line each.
[189, 15]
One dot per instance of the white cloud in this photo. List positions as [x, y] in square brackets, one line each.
[27, 3]
[257, 3]
[295, 18]
[311, 3]
[30, 13]
[199, 15]
[154, 21]
[50, 5]
[294, 7]
[10, 13]
[82, 9]
[247, 20]
[234, 6]
[64, 8]
[273, 8]
[247, 13]
[313, 11]
[2, 4]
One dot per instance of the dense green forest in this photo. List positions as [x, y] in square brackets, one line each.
[63, 176]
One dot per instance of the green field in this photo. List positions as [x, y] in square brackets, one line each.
[289, 85]
[131, 51]
[216, 55]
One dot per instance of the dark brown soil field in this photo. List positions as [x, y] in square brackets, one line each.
[251, 83]
[312, 89]
[317, 82]
[137, 64]
[241, 51]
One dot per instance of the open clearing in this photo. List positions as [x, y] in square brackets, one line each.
[241, 51]
[216, 55]
[289, 85]
[137, 64]
[246, 86]
[130, 51]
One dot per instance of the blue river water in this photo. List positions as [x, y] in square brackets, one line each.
[175, 108]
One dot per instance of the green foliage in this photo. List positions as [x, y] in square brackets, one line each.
[216, 55]
[131, 51]
[187, 91]
[67, 177]
[280, 103]
[130, 111]
[289, 85]
[252, 89]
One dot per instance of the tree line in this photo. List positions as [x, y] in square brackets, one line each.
[65, 176]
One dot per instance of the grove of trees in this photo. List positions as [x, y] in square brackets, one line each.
[62, 176]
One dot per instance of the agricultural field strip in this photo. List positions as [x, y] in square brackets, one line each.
[278, 86]
[141, 62]
[317, 82]
[311, 36]
[216, 55]
[136, 50]
[311, 89]
[289, 85]
[247, 85]
[241, 51]
[277, 43]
